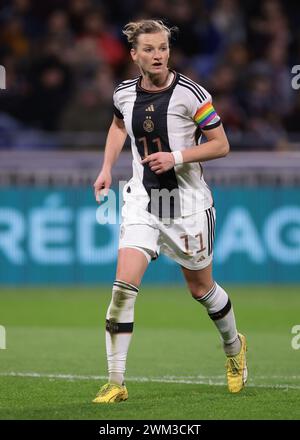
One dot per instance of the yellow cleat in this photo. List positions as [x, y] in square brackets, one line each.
[236, 367]
[111, 393]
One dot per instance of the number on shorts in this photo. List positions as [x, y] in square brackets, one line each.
[202, 247]
[185, 237]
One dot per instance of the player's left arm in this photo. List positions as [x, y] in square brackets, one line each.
[217, 145]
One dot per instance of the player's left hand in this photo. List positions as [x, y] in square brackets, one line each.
[159, 162]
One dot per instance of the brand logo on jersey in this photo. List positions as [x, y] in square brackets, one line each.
[150, 108]
[148, 124]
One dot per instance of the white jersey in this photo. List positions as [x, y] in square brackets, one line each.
[166, 120]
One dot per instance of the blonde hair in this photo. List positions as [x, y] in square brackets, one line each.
[135, 28]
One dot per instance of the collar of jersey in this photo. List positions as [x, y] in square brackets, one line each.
[161, 90]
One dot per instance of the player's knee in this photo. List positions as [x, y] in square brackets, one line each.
[199, 289]
[129, 278]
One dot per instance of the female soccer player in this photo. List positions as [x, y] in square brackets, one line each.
[168, 206]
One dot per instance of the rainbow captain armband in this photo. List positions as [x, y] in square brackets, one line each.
[206, 115]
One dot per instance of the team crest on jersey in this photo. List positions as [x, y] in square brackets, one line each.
[148, 124]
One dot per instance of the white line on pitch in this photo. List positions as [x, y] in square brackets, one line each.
[195, 380]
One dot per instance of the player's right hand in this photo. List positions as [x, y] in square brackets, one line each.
[102, 185]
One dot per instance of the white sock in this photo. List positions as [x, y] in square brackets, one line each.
[119, 328]
[219, 309]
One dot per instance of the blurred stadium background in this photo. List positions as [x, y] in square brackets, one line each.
[63, 59]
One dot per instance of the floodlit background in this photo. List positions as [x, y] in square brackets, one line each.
[62, 61]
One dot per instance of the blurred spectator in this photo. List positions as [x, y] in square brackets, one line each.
[97, 34]
[223, 80]
[264, 133]
[233, 115]
[58, 28]
[87, 112]
[23, 11]
[77, 10]
[269, 25]
[13, 36]
[51, 85]
[197, 34]
[91, 107]
[227, 17]
[156, 8]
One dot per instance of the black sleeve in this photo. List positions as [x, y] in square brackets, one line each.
[211, 126]
[117, 113]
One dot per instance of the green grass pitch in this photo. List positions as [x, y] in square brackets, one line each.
[55, 358]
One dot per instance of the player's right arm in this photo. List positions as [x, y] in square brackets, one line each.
[114, 143]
